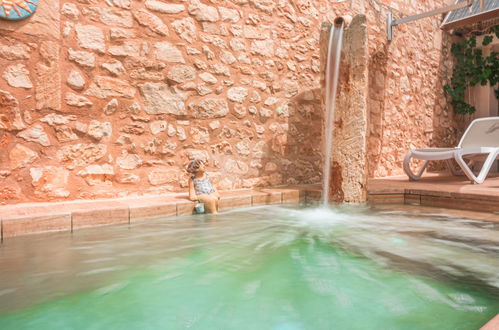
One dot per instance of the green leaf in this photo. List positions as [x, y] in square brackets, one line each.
[471, 68]
[487, 40]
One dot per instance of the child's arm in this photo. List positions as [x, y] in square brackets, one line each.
[215, 192]
[192, 192]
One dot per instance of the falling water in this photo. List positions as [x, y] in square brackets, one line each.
[332, 73]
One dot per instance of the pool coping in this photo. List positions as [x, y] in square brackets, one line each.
[68, 216]
[493, 324]
[436, 190]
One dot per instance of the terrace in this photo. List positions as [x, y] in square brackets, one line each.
[301, 113]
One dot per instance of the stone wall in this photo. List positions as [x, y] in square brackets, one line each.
[403, 101]
[112, 98]
[407, 104]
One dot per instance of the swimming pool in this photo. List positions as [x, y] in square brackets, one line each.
[270, 267]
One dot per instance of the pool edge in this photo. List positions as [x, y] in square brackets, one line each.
[34, 218]
[493, 324]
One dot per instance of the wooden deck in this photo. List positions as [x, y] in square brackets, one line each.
[437, 190]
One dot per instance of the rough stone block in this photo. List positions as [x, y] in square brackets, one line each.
[48, 77]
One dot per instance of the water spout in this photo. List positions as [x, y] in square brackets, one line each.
[332, 73]
[342, 20]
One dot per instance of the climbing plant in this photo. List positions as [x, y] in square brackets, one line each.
[472, 68]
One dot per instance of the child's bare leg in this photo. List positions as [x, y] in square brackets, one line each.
[210, 203]
[215, 203]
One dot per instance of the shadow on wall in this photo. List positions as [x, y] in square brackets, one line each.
[302, 150]
[407, 104]
[375, 106]
[287, 151]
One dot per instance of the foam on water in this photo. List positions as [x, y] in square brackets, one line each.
[434, 241]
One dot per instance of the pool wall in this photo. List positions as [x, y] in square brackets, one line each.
[32, 218]
[445, 191]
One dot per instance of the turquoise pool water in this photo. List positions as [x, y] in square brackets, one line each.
[259, 268]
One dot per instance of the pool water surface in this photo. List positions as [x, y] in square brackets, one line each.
[269, 267]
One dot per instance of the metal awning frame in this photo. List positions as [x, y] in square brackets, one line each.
[390, 22]
[476, 17]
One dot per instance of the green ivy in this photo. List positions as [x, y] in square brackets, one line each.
[472, 68]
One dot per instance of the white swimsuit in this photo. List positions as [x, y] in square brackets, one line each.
[203, 186]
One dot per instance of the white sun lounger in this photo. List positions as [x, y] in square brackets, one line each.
[480, 141]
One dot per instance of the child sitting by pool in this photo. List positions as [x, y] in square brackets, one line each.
[200, 187]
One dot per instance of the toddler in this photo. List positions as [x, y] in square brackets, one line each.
[200, 187]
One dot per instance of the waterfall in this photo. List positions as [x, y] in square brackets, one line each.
[331, 75]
